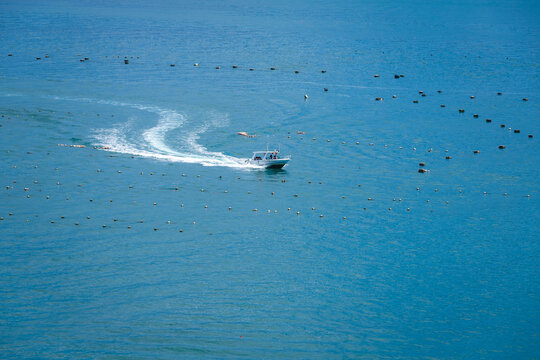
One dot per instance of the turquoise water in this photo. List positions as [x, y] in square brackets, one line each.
[146, 243]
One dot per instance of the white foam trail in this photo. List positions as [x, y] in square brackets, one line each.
[116, 140]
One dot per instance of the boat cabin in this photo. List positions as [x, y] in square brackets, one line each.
[265, 155]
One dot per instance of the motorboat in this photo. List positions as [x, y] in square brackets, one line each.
[268, 159]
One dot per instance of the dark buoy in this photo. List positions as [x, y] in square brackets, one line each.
[126, 61]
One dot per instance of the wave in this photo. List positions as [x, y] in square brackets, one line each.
[152, 143]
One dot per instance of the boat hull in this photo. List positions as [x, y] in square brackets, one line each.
[270, 164]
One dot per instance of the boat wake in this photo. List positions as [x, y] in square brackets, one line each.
[127, 138]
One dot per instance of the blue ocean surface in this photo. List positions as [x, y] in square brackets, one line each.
[131, 226]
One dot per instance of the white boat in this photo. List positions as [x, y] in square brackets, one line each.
[268, 159]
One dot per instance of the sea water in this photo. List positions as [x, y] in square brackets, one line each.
[157, 240]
